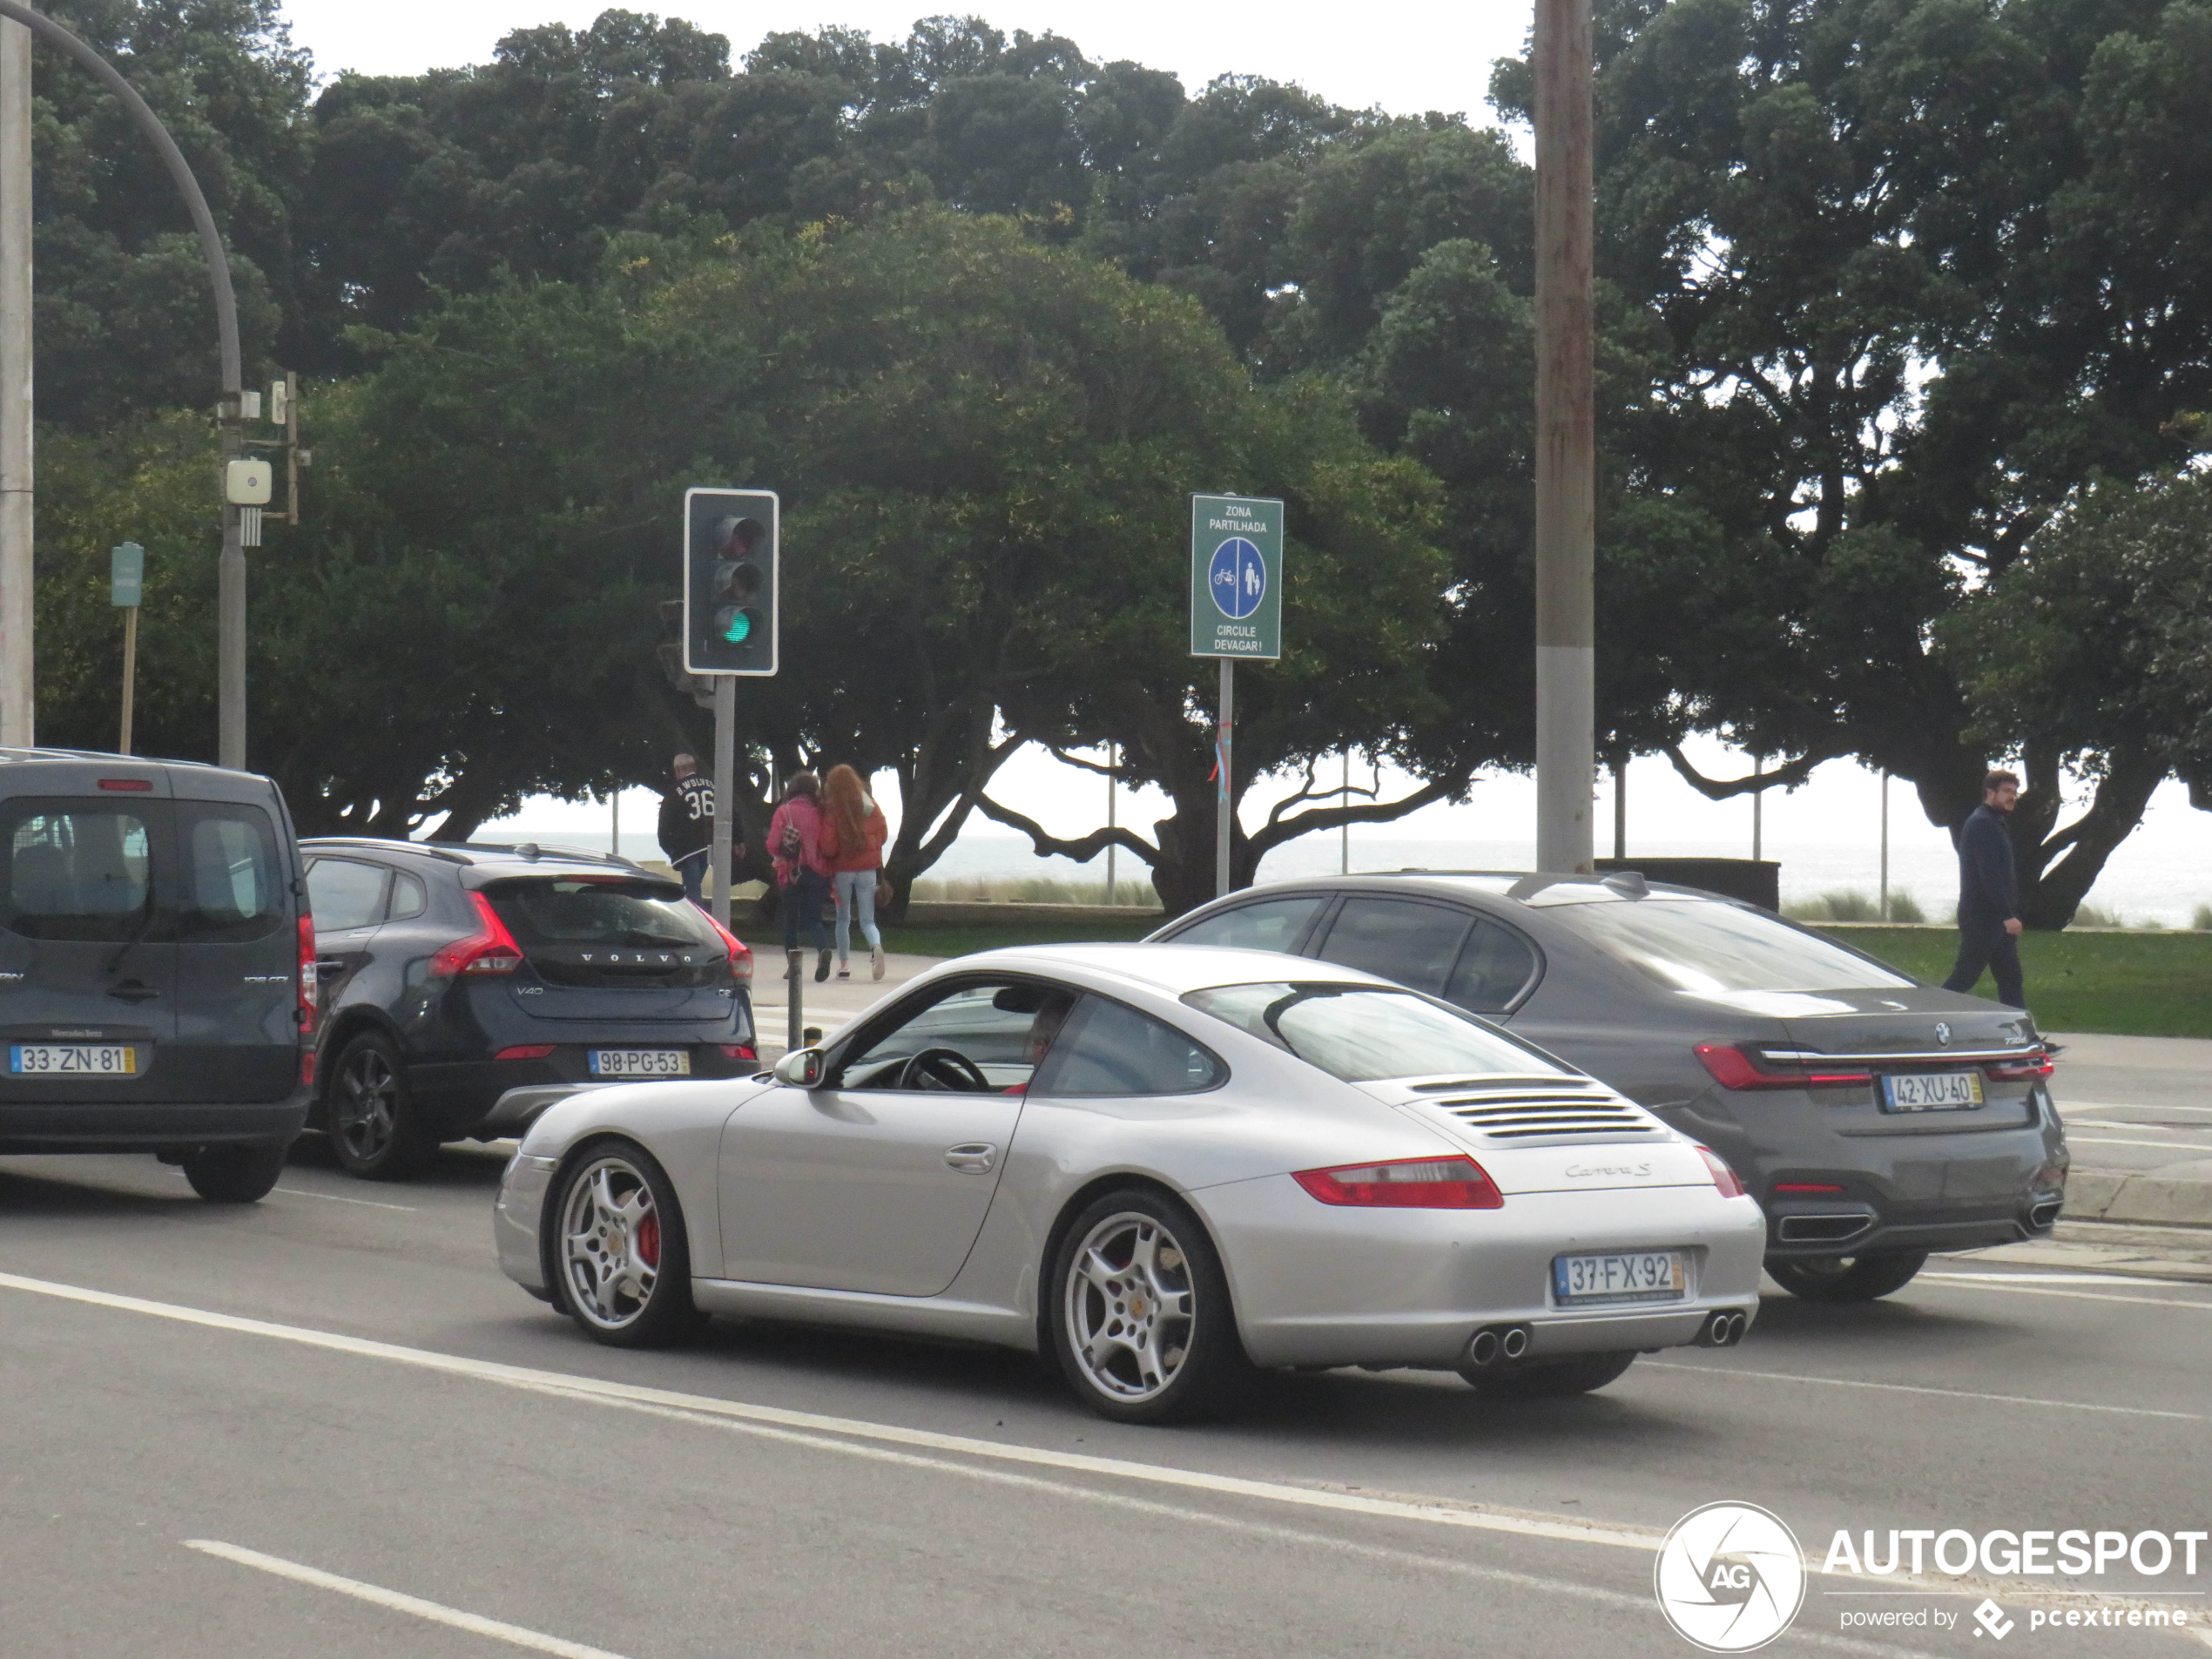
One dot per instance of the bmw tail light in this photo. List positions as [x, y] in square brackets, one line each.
[2026, 1069]
[1736, 1068]
[490, 949]
[1723, 1177]
[1405, 1183]
[306, 975]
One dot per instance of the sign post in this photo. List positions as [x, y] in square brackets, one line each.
[1235, 611]
[126, 582]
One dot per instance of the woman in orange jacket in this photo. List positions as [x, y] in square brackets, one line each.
[853, 832]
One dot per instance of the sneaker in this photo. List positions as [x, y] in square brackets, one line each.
[844, 970]
[821, 968]
[875, 963]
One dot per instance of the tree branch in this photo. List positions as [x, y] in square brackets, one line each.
[1789, 775]
[1274, 834]
[1081, 850]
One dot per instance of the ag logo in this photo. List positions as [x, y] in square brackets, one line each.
[1730, 1577]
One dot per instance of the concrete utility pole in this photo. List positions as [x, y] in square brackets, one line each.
[231, 572]
[16, 725]
[1566, 440]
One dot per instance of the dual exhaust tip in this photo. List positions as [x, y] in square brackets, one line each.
[1723, 1330]
[1494, 1342]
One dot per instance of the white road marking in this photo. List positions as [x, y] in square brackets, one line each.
[2116, 1140]
[2112, 1280]
[302, 1192]
[1979, 1282]
[436, 1612]
[852, 1436]
[1916, 1388]
[2067, 1106]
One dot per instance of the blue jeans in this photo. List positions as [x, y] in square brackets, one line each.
[692, 868]
[856, 892]
[804, 898]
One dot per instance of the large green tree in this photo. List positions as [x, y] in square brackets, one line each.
[1925, 269]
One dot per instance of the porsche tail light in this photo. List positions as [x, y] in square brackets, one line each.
[740, 955]
[1405, 1183]
[1735, 1068]
[490, 949]
[1723, 1177]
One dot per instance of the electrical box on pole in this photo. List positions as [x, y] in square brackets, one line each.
[730, 581]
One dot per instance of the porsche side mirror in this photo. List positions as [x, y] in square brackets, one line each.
[802, 1068]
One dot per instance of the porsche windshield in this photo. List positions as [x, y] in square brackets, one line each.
[1361, 1033]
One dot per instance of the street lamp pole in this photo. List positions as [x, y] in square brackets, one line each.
[1566, 440]
[17, 711]
[231, 572]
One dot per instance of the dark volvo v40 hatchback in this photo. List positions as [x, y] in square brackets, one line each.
[465, 987]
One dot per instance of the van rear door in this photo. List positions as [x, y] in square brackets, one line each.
[87, 975]
[238, 949]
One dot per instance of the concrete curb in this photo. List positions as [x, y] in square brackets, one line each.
[2149, 1196]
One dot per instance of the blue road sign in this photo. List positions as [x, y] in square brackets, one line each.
[1238, 578]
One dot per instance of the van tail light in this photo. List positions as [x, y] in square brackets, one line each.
[307, 1068]
[737, 1051]
[1405, 1183]
[1723, 1177]
[307, 991]
[490, 949]
[525, 1051]
[1735, 1068]
[740, 955]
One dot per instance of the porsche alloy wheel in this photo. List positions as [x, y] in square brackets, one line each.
[624, 1274]
[1145, 1330]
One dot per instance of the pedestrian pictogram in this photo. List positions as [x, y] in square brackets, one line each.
[1238, 578]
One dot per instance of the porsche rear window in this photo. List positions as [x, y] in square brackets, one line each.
[1363, 1033]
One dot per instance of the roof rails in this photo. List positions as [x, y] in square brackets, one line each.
[530, 852]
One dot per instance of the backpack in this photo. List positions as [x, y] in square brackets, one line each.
[791, 844]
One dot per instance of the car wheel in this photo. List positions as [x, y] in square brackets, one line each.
[622, 1264]
[235, 1174]
[1845, 1279]
[372, 1121]
[1142, 1323]
[1550, 1379]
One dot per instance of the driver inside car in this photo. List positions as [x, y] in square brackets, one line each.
[1043, 1027]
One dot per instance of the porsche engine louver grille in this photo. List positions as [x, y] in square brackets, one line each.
[1536, 1116]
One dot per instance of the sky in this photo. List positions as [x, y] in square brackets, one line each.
[1405, 57]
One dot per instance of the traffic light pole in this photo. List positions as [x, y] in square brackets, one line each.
[231, 572]
[16, 703]
[1225, 808]
[726, 789]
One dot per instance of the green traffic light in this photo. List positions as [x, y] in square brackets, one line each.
[738, 628]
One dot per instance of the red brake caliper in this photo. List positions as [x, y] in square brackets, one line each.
[649, 1240]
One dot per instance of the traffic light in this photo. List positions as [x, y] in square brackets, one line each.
[729, 581]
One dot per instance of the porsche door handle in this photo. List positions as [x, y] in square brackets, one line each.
[973, 1158]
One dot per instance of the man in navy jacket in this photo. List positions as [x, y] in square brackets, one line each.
[1989, 923]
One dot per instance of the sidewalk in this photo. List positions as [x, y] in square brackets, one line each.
[2139, 1122]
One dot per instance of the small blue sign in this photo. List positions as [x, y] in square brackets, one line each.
[1237, 579]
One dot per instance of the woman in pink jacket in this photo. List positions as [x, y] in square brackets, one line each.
[802, 873]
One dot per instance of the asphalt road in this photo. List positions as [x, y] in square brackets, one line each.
[203, 1405]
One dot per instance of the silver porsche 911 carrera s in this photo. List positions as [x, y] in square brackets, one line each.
[1163, 1165]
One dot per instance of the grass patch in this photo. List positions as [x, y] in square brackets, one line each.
[1854, 906]
[1034, 890]
[2132, 984]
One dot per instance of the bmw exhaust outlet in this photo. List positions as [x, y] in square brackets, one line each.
[1724, 1329]
[1494, 1342]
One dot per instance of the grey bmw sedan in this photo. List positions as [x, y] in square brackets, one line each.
[1874, 1118]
